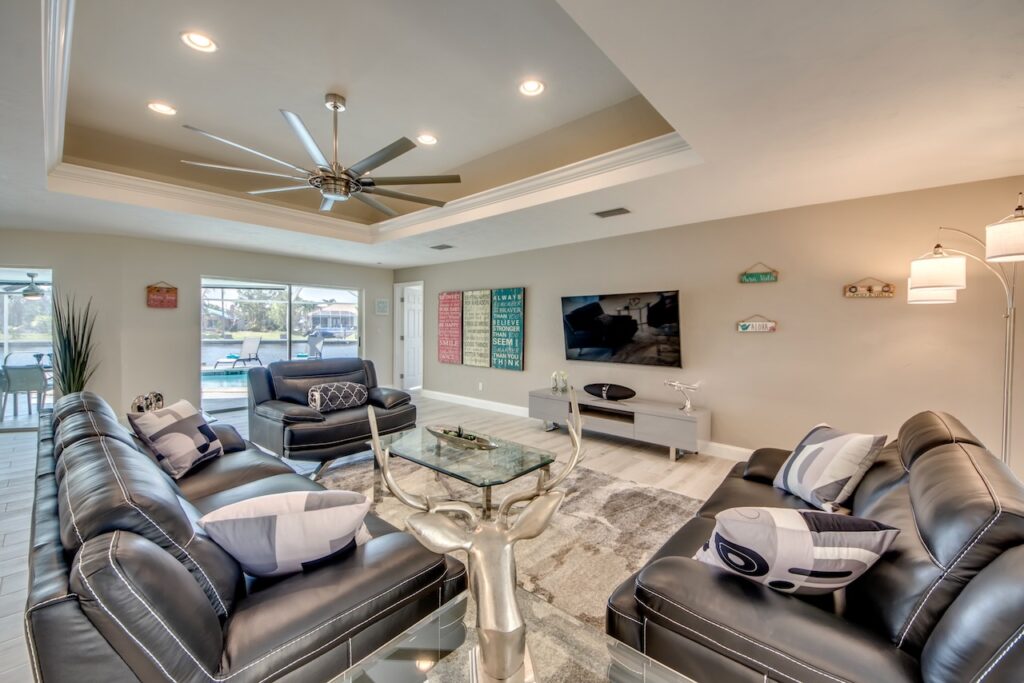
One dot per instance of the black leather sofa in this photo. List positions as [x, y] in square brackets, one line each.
[945, 604]
[125, 586]
[281, 420]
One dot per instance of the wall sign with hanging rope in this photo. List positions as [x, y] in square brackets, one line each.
[759, 272]
[869, 288]
[757, 323]
[162, 295]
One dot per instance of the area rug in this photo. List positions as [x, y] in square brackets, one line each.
[605, 530]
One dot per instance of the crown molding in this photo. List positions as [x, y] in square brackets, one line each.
[58, 16]
[656, 156]
[125, 189]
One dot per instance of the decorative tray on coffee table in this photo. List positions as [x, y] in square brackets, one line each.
[456, 436]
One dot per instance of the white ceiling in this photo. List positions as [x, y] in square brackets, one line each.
[787, 104]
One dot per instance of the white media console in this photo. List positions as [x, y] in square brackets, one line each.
[654, 422]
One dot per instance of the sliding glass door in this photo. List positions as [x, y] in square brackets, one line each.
[245, 324]
[26, 345]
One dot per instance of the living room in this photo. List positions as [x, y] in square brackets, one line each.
[567, 394]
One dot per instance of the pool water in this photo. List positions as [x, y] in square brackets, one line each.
[224, 381]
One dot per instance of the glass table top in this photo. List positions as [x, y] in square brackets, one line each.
[508, 461]
[563, 650]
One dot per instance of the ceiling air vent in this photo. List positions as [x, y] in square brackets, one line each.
[608, 213]
[442, 247]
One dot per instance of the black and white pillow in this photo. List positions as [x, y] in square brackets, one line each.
[336, 396]
[283, 533]
[827, 465]
[178, 436]
[795, 551]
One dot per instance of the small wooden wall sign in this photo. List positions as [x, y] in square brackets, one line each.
[869, 288]
[757, 323]
[759, 272]
[162, 295]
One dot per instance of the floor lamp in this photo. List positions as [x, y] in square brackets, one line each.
[936, 276]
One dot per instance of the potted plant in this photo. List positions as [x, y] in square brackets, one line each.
[73, 344]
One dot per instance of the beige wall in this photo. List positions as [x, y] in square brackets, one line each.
[862, 365]
[145, 349]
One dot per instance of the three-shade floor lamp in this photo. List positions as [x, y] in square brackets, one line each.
[936, 276]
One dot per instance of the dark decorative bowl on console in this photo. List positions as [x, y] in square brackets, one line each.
[611, 392]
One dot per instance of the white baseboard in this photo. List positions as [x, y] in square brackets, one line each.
[719, 450]
[507, 408]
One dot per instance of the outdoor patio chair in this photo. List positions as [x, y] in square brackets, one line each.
[23, 378]
[314, 348]
[250, 352]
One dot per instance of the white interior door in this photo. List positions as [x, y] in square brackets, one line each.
[412, 331]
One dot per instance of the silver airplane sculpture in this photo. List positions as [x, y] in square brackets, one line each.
[501, 654]
[685, 390]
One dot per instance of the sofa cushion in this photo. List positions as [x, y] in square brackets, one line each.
[736, 491]
[229, 471]
[230, 440]
[275, 483]
[333, 396]
[795, 551]
[346, 426]
[109, 486]
[304, 614]
[178, 435]
[285, 533]
[929, 429]
[78, 402]
[81, 425]
[827, 465]
[959, 511]
[292, 380]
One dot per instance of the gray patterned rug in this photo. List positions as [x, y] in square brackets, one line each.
[604, 531]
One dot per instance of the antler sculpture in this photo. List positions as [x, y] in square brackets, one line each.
[501, 653]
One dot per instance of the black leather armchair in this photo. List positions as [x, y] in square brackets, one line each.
[945, 604]
[281, 421]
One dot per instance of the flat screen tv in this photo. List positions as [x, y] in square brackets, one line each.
[639, 329]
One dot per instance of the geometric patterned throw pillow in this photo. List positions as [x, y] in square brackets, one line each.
[336, 396]
[826, 467]
[284, 533]
[178, 435]
[795, 551]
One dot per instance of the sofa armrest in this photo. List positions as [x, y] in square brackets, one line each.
[230, 440]
[381, 397]
[287, 413]
[773, 633]
[764, 464]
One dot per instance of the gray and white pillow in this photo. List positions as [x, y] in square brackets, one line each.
[283, 533]
[795, 551]
[178, 436]
[336, 396]
[827, 465]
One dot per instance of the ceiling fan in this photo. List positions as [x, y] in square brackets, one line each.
[30, 291]
[335, 182]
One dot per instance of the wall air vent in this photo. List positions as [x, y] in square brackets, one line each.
[442, 247]
[608, 213]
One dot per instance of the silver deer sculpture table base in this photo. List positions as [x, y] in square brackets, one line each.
[501, 655]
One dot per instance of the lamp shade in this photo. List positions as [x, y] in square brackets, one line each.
[938, 271]
[929, 296]
[1004, 240]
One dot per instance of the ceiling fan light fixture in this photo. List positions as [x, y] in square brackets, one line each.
[162, 108]
[426, 139]
[334, 102]
[531, 87]
[198, 41]
[32, 291]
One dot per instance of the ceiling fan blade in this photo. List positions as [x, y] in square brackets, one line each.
[403, 196]
[283, 189]
[370, 201]
[312, 149]
[14, 288]
[241, 170]
[416, 179]
[247, 149]
[327, 204]
[382, 156]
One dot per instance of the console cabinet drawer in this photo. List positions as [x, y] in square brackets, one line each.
[548, 409]
[668, 431]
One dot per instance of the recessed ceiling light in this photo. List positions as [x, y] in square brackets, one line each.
[197, 41]
[162, 108]
[531, 87]
[426, 139]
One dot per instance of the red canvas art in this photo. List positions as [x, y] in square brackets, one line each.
[449, 327]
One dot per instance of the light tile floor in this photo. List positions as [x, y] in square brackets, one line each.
[693, 475]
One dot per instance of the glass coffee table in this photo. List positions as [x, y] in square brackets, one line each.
[563, 650]
[480, 468]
